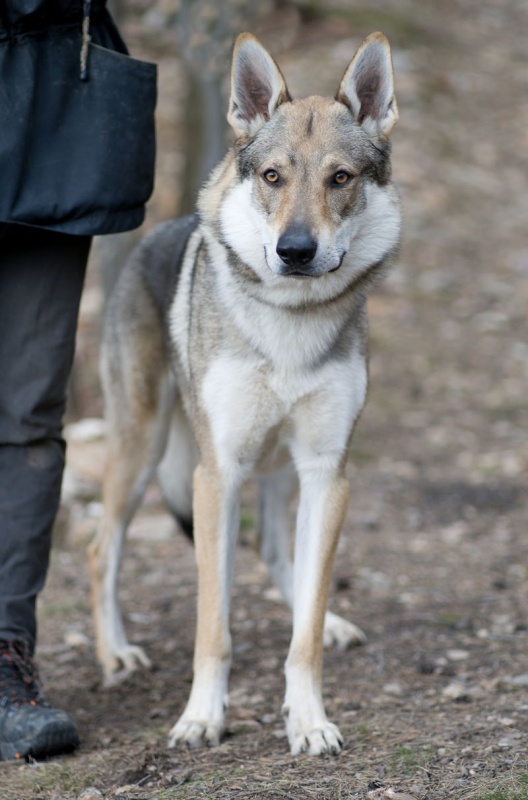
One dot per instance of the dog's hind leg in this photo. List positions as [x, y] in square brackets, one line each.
[175, 471]
[276, 490]
[135, 447]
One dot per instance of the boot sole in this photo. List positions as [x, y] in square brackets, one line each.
[41, 745]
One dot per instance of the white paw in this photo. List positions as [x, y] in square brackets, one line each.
[123, 660]
[325, 738]
[195, 733]
[341, 633]
[202, 722]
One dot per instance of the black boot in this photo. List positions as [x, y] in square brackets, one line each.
[28, 726]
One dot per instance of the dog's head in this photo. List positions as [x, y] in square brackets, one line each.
[312, 197]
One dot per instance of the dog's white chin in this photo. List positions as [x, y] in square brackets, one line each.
[319, 269]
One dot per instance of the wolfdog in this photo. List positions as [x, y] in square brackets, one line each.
[235, 344]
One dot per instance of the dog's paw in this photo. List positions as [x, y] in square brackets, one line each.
[341, 633]
[123, 660]
[324, 739]
[194, 733]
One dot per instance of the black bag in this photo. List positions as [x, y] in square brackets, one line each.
[75, 155]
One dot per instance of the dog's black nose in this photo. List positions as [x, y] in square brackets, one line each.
[296, 247]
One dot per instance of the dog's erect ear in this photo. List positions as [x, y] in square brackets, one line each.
[257, 86]
[367, 87]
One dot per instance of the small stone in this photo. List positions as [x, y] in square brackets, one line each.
[76, 639]
[393, 689]
[126, 789]
[140, 619]
[457, 655]
[519, 680]
[91, 793]
[388, 794]
[456, 691]
[510, 740]
[273, 594]
[503, 625]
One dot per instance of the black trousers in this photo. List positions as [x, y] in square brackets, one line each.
[41, 279]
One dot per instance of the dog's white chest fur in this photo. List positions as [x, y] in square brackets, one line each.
[256, 412]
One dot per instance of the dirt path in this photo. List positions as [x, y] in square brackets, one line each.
[433, 564]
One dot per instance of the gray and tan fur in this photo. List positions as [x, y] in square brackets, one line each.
[236, 345]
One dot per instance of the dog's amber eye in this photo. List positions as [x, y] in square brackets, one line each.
[271, 176]
[342, 177]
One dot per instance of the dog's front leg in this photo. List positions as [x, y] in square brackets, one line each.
[216, 512]
[322, 506]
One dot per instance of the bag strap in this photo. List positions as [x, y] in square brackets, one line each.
[86, 39]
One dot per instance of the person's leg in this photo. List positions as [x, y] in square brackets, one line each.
[41, 279]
